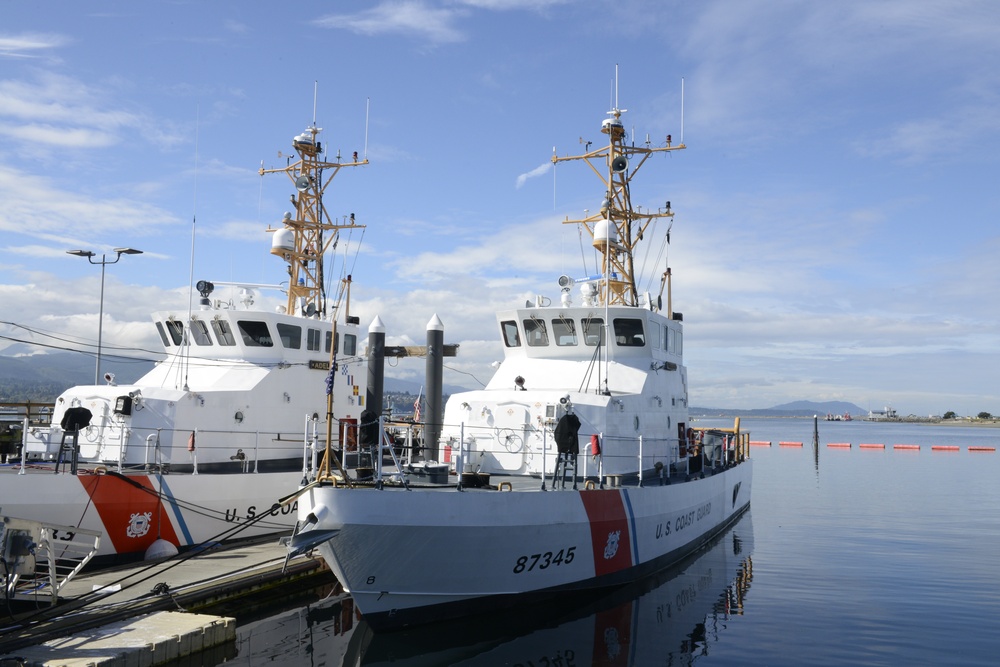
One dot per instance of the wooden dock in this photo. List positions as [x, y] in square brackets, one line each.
[148, 613]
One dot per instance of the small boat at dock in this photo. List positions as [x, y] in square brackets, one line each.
[575, 469]
[201, 447]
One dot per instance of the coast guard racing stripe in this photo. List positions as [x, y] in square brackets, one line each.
[130, 515]
[609, 531]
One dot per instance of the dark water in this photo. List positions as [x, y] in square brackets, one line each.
[857, 556]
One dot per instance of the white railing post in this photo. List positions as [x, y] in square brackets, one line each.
[545, 434]
[640, 459]
[121, 447]
[378, 452]
[256, 450]
[305, 447]
[24, 443]
[600, 461]
[459, 459]
[193, 448]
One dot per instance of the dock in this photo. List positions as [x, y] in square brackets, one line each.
[151, 613]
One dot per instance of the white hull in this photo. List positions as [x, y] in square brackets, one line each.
[660, 620]
[130, 515]
[414, 555]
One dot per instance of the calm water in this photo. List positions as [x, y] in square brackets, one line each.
[860, 557]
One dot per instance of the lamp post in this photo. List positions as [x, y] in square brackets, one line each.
[89, 254]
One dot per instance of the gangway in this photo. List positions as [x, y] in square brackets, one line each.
[39, 558]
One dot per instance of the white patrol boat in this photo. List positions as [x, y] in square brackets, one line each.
[576, 468]
[202, 447]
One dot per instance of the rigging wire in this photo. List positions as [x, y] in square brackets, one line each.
[87, 599]
[583, 251]
[194, 216]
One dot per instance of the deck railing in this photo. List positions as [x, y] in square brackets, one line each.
[648, 459]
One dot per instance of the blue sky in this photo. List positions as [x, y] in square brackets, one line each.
[836, 208]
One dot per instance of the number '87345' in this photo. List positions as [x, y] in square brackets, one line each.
[545, 560]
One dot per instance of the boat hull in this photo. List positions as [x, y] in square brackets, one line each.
[411, 556]
[132, 511]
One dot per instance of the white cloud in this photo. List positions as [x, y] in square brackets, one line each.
[511, 5]
[29, 45]
[60, 111]
[540, 170]
[406, 17]
[35, 207]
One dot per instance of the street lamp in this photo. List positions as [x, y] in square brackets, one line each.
[89, 254]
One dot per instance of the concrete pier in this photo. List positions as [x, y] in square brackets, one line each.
[151, 613]
[153, 639]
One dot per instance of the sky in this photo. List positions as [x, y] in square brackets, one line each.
[835, 235]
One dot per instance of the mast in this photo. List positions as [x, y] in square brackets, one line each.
[618, 228]
[309, 232]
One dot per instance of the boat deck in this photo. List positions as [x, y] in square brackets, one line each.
[431, 476]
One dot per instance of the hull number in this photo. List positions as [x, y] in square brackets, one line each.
[543, 561]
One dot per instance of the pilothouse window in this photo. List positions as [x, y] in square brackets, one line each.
[255, 334]
[564, 331]
[163, 334]
[510, 336]
[176, 331]
[535, 333]
[290, 335]
[200, 332]
[312, 343]
[593, 331]
[350, 344]
[628, 332]
[223, 332]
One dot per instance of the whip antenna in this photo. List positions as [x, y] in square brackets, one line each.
[368, 106]
[682, 110]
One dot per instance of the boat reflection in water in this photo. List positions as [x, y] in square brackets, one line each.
[670, 618]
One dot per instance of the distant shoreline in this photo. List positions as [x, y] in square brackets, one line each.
[979, 423]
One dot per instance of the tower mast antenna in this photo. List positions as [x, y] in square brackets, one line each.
[315, 95]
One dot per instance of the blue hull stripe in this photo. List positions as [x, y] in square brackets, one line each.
[631, 525]
[169, 497]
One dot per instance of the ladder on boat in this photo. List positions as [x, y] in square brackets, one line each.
[69, 447]
[41, 558]
[565, 465]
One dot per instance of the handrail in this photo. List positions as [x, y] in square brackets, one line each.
[530, 449]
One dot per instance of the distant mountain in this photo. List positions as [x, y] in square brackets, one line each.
[45, 376]
[822, 409]
[397, 386]
[793, 409]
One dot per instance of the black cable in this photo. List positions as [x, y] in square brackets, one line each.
[87, 599]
